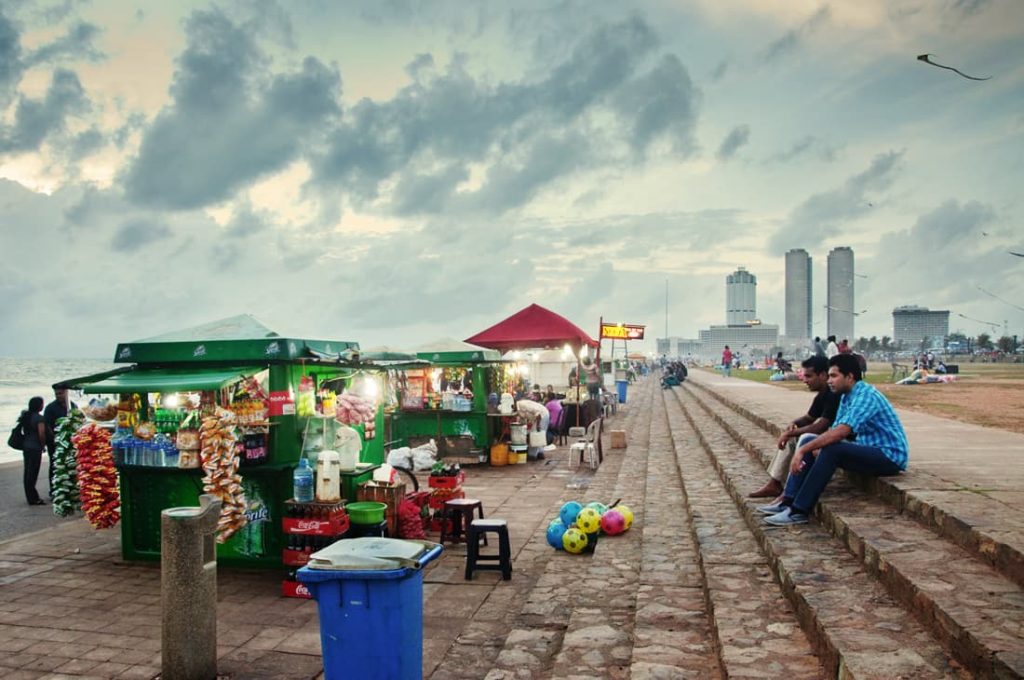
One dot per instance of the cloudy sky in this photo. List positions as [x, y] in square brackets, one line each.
[391, 171]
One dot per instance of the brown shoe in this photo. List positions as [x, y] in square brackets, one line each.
[770, 490]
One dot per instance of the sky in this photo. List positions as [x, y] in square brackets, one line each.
[394, 171]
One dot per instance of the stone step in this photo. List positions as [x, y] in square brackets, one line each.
[975, 522]
[970, 607]
[755, 629]
[540, 630]
[856, 628]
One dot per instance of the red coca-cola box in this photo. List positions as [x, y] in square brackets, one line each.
[295, 589]
[336, 526]
[447, 482]
[294, 558]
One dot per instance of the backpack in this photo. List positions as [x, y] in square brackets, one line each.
[17, 439]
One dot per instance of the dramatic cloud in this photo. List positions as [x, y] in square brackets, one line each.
[792, 38]
[76, 44]
[806, 146]
[226, 127]
[37, 119]
[10, 58]
[821, 215]
[137, 234]
[736, 138]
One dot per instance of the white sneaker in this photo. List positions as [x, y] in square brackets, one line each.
[550, 447]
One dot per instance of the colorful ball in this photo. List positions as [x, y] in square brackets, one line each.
[626, 513]
[597, 505]
[613, 522]
[568, 512]
[589, 521]
[555, 532]
[574, 541]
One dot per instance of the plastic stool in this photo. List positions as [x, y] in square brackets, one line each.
[479, 528]
[460, 512]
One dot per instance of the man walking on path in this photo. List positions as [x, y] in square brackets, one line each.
[726, 361]
[818, 419]
[833, 348]
[880, 450]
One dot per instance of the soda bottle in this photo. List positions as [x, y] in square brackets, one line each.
[302, 482]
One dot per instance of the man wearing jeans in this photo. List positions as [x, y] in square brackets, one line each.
[880, 450]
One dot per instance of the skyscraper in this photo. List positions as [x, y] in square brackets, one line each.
[840, 293]
[798, 294]
[740, 297]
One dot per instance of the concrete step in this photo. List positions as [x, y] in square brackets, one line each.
[755, 630]
[971, 608]
[856, 628]
[974, 521]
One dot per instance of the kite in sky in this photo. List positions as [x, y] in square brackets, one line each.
[925, 59]
[1017, 254]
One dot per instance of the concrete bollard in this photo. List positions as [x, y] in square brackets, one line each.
[188, 591]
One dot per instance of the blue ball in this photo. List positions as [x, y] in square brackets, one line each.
[555, 531]
[569, 511]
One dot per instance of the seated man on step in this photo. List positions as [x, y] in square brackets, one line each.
[880, 450]
[818, 418]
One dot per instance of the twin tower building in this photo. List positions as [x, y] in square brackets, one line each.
[741, 296]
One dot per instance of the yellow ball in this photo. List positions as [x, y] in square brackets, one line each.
[627, 513]
[589, 520]
[574, 541]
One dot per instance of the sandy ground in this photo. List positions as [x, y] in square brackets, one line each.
[991, 395]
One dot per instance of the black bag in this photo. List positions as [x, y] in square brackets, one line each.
[17, 439]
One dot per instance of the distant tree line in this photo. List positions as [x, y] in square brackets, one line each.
[962, 344]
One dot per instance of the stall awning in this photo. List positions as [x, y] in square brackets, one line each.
[169, 380]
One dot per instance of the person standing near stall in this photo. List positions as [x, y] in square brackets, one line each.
[55, 410]
[34, 427]
[592, 377]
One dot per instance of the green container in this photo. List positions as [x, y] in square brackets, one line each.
[366, 512]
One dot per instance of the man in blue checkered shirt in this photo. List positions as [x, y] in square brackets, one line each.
[866, 417]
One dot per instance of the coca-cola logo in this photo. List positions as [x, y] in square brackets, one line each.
[308, 525]
[302, 590]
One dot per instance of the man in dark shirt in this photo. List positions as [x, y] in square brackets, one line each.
[55, 410]
[817, 420]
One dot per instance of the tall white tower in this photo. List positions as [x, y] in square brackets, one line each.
[840, 293]
[740, 297]
[799, 312]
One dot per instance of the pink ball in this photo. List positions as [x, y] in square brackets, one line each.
[613, 523]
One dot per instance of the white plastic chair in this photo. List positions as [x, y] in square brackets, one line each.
[587, 446]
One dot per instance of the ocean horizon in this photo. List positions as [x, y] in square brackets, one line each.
[24, 378]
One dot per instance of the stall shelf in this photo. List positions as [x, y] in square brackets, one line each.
[452, 429]
[209, 359]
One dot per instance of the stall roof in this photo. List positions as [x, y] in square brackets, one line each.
[235, 339]
[452, 351]
[168, 380]
[532, 327]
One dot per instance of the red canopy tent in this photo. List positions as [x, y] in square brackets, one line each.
[533, 327]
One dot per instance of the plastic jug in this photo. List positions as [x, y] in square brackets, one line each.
[348, 445]
[302, 482]
[328, 480]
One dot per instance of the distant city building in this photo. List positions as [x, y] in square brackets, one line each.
[755, 339]
[840, 293]
[678, 348]
[915, 327]
[799, 312]
[740, 297]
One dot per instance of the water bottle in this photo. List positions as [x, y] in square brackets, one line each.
[302, 482]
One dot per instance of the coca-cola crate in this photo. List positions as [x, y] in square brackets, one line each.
[335, 526]
[295, 589]
[447, 482]
[420, 498]
[295, 558]
[435, 524]
[437, 501]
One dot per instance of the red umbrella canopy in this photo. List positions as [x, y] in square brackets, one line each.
[532, 327]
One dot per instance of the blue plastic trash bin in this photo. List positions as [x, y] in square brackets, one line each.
[369, 593]
[621, 385]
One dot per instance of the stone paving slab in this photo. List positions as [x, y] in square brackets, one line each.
[856, 627]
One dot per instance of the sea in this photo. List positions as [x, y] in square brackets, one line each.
[22, 379]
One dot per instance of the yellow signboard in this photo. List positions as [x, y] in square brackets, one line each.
[621, 331]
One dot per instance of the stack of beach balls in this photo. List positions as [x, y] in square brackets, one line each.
[578, 526]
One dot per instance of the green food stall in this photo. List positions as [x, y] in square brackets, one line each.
[280, 394]
[447, 401]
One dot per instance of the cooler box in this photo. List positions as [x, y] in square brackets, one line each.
[620, 386]
[369, 593]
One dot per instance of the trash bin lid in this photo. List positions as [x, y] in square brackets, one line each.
[369, 553]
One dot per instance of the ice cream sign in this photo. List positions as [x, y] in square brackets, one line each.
[622, 331]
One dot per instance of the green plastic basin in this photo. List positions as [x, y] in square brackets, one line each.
[366, 512]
